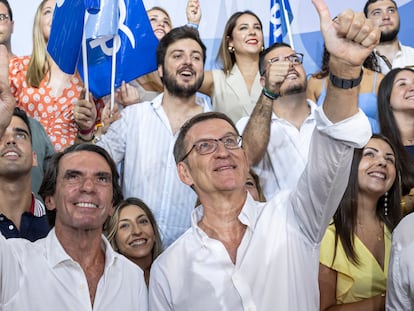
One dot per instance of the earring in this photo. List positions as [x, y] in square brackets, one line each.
[386, 203]
[231, 49]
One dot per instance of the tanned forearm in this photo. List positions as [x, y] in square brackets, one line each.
[257, 132]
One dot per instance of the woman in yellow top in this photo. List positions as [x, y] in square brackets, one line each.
[355, 249]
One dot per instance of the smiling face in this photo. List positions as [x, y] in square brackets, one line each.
[160, 23]
[247, 35]
[402, 93]
[384, 14]
[16, 155]
[376, 170]
[220, 171]
[84, 192]
[183, 69]
[135, 235]
[295, 81]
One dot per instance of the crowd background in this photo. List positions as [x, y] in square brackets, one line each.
[306, 35]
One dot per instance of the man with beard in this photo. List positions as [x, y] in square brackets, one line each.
[278, 132]
[390, 52]
[144, 136]
[21, 214]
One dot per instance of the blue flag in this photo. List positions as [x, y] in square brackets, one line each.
[278, 24]
[124, 22]
[135, 46]
[66, 34]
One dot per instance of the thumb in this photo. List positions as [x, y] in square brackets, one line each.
[323, 11]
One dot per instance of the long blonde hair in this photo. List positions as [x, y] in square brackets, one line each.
[38, 65]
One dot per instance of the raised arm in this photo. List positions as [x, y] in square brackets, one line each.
[7, 100]
[257, 132]
[341, 127]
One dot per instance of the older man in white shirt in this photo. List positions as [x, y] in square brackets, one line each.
[244, 255]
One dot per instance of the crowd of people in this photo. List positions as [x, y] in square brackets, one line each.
[283, 192]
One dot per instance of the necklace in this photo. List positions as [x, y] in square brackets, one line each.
[379, 233]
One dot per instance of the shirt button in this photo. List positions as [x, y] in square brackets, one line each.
[11, 227]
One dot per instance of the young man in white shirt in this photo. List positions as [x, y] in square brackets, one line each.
[390, 52]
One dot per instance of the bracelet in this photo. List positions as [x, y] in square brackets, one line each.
[193, 25]
[270, 95]
[86, 132]
[345, 83]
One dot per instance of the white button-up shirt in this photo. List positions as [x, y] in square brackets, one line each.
[400, 283]
[286, 154]
[144, 141]
[403, 58]
[278, 258]
[41, 276]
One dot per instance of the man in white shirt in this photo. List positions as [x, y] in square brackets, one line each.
[74, 267]
[400, 282]
[244, 255]
[390, 53]
[144, 137]
[277, 135]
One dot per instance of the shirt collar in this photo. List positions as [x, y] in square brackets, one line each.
[248, 216]
[157, 102]
[312, 107]
[57, 255]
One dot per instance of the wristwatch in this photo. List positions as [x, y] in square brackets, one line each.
[345, 83]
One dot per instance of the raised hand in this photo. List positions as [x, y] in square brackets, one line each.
[84, 112]
[349, 37]
[127, 94]
[193, 12]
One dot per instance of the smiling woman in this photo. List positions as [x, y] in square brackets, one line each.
[133, 232]
[356, 247]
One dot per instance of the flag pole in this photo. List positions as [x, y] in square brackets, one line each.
[85, 60]
[288, 28]
[113, 70]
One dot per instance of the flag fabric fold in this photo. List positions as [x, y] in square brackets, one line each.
[122, 25]
[281, 17]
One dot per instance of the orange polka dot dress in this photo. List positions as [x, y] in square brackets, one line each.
[54, 113]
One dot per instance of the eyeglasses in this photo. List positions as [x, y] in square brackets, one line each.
[207, 146]
[4, 18]
[295, 59]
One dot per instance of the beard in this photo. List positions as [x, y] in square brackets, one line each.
[171, 84]
[390, 35]
[295, 88]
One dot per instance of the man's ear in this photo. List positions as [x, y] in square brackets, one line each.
[184, 173]
[160, 71]
[262, 81]
[50, 203]
[34, 161]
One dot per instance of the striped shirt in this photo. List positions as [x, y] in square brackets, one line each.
[143, 140]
